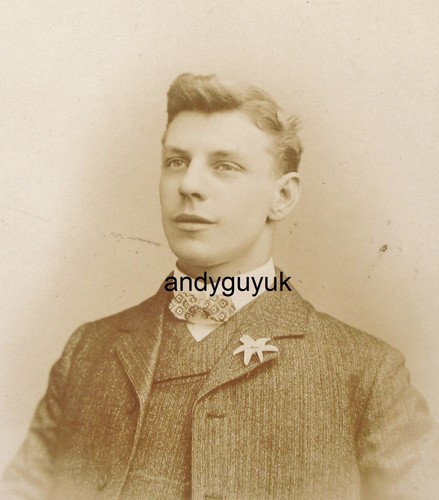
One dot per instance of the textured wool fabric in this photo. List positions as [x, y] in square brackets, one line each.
[331, 415]
[162, 465]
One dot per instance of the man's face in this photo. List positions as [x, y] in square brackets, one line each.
[217, 186]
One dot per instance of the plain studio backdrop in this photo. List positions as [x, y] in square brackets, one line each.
[82, 114]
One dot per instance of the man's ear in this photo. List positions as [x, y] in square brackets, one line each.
[286, 196]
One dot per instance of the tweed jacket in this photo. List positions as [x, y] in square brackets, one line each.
[330, 415]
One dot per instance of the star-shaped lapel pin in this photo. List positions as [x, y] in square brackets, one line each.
[251, 346]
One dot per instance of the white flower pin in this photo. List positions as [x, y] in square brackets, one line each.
[251, 346]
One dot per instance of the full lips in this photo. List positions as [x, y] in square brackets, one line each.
[192, 219]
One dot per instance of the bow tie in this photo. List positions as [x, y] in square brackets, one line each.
[185, 306]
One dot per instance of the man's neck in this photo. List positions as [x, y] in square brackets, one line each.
[222, 271]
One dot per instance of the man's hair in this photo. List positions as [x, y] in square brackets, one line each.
[207, 94]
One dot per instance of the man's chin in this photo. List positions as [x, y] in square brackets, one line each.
[195, 265]
[196, 259]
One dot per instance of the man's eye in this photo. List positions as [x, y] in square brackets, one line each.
[176, 163]
[225, 167]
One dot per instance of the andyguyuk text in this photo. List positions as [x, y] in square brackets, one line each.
[227, 285]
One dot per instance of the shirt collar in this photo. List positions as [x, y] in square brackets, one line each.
[240, 297]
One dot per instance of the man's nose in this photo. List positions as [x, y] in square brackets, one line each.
[193, 182]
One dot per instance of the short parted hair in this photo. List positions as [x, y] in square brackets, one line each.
[207, 94]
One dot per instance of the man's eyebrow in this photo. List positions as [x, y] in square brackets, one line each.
[174, 150]
[220, 153]
[225, 153]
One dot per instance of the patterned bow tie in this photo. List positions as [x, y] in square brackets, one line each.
[184, 306]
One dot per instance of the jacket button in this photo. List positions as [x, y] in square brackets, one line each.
[102, 482]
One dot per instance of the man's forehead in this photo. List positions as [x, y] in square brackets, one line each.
[228, 132]
[171, 149]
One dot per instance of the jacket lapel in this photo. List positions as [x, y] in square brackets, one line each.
[274, 315]
[138, 348]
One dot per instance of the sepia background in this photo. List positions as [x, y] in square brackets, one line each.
[83, 95]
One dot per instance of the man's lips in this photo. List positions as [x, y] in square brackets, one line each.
[191, 219]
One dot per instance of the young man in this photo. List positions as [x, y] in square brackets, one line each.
[226, 383]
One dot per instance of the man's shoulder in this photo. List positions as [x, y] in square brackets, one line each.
[108, 330]
[122, 320]
[327, 327]
[335, 337]
[335, 350]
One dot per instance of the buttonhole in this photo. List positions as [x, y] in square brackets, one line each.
[215, 415]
